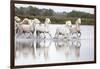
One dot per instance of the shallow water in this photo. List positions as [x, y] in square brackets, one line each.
[43, 51]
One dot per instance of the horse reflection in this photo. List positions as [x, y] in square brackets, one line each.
[42, 48]
[24, 49]
[68, 47]
[77, 44]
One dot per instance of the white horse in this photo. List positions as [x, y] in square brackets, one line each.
[69, 30]
[43, 28]
[28, 26]
[76, 28]
[64, 31]
[17, 21]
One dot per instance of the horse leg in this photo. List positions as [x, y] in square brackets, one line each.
[37, 34]
[16, 32]
[44, 35]
[65, 36]
[24, 33]
[79, 34]
[73, 35]
[56, 35]
[19, 32]
[30, 34]
[49, 34]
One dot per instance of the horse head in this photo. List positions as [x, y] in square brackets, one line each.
[78, 21]
[47, 21]
[17, 19]
[68, 23]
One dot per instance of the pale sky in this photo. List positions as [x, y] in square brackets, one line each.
[59, 8]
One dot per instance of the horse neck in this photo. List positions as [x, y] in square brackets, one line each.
[31, 25]
[46, 24]
[78, 26]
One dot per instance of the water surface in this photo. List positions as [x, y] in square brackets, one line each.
[44, 51]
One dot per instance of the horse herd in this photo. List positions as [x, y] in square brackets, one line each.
[35, 26]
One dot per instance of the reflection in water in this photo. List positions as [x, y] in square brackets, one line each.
[68, 47]
[24, 49]
[44, 50]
